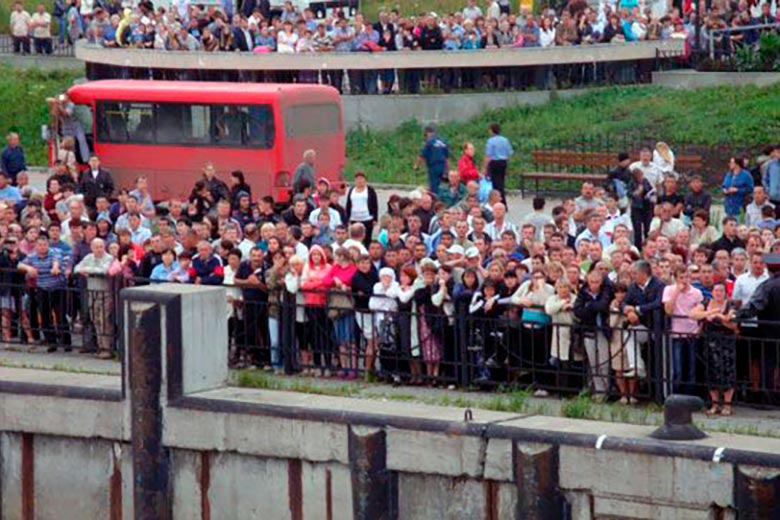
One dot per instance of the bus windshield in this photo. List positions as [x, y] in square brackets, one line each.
[178, 124]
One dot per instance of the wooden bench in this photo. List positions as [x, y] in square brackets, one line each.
[556, 164]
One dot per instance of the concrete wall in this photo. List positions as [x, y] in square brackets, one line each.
[388, 112]
[691, 79]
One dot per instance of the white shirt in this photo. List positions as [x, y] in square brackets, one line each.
[547, 38]
[42, 24]
[651, 172]
[495, 233]
[753, 212]
[356, 243]
[335, 218]
[19, 21]
[668, 229]
[359, 210]
[746, 284]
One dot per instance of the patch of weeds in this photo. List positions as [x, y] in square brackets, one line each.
[580, 407]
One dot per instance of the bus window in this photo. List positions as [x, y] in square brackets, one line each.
[306, 120]
[186, 125]
[251, 125]
[125, 123]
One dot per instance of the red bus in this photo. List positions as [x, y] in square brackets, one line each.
[168, 130]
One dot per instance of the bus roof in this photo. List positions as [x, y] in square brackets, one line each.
[195, 91]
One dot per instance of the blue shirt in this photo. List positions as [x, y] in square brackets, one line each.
[160, 273]
[734, 202]
[772, 181]
[498, 148]
[435, 152]
[44, 265]
[11, 193]
[13, 161]
[140, 235]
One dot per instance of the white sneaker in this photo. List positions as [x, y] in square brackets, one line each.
[541, 393]
[623, 400]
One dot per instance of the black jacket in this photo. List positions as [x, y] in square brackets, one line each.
[363, 288]
[94, 187]
[648, 302]
[728, 245]
[593, 311]
[373, 204]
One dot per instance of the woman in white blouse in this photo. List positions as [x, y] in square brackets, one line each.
[286, 39]
[546, 33]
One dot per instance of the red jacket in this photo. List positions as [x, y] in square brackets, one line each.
[467, 169]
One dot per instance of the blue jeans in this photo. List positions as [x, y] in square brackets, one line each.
[683, 362]
[276, 351]
[434, 178]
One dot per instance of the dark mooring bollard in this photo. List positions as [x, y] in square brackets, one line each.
[678, 419]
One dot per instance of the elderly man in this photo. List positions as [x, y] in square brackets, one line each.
[304, 171]
[453, 191]
[97, 267]
[44, 272]
[206, 267]
[499, 224]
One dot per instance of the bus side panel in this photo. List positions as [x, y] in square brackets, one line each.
[329, 145]
[173, 171]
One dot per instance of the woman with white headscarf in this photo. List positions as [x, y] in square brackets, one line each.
[384, 305]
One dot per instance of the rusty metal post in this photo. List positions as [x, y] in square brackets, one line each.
[151, 496]
[371, 483]
[536, 475]
[757, 492]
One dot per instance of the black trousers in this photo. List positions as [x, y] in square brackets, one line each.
[497, 173]
[369, 225]
[641, 220]
[51, 304]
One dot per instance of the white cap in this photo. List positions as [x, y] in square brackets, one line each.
[455, 249]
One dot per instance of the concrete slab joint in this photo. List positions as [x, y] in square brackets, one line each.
[434, 453]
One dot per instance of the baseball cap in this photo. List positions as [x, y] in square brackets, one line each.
[472, 252]
[455, 249]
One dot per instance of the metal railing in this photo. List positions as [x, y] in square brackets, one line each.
[33, 48]
[712, 37]
[417, 343]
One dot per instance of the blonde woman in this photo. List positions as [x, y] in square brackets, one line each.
[559, 306]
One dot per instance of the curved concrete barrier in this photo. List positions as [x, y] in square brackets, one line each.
[646, 50]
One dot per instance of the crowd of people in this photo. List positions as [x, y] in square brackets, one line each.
[255, 27]
[444, 280]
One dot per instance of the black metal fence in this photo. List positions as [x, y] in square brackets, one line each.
[50, 47]
[415, 343]
[414, 81]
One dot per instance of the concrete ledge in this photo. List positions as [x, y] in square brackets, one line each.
[254, 435]
[63, 416]
[436, 454]
[646, 50]
[692, 79]
[671, 479]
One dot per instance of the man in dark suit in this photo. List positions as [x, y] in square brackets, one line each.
[643, 307]
[242, 38]
[95, 182]
[643, 303]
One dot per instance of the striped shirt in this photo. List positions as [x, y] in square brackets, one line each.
[44, 265]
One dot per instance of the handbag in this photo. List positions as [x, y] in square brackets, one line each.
[535, 316]
[485, 187]
[339, 303]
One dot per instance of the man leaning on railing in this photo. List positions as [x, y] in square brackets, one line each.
[98, 267]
